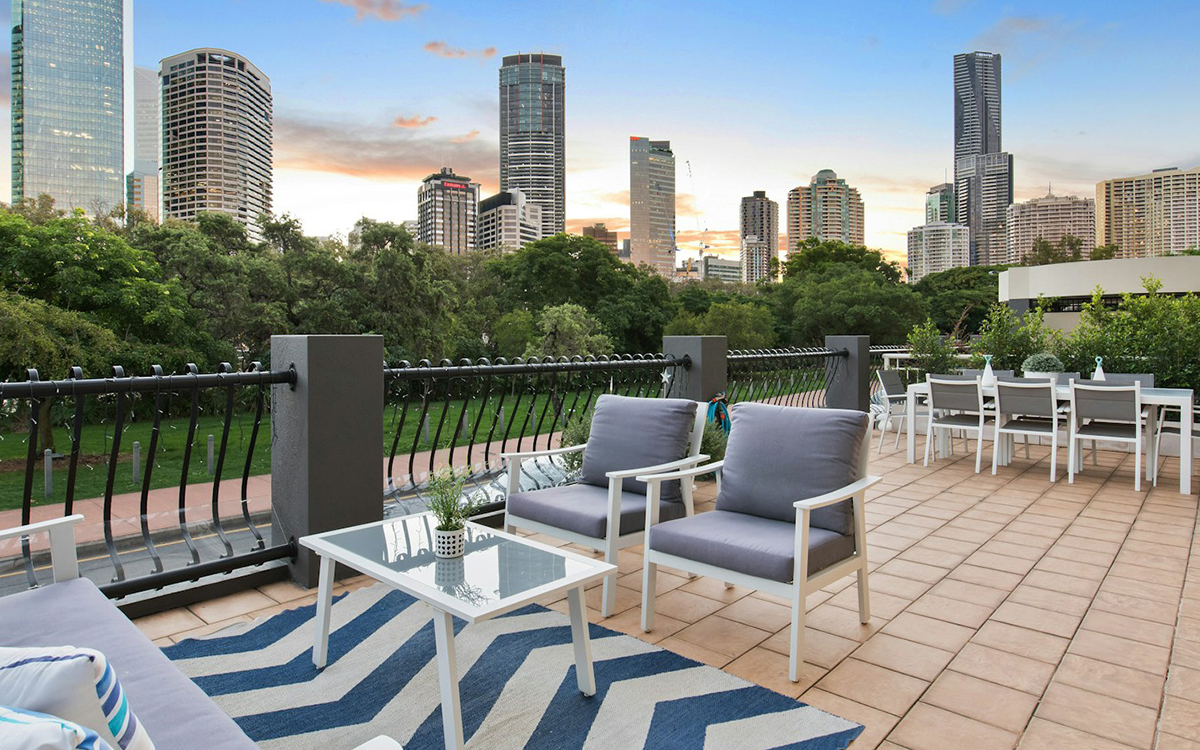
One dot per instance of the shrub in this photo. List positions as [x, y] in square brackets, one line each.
[1042, 362]
[1009, 338]
[576, 432]
[931, 352]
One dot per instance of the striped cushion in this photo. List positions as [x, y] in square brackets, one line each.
[77, 684]
[33, 730]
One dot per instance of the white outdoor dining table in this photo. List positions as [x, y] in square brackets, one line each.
[1179, 398]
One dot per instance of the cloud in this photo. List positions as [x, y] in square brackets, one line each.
[377, 151]
[948, 7]
[384, 10]
[613, 224]
[416, 121]
[1030, 41]
[467, 138]
[441, 49]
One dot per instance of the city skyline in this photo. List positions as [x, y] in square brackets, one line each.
[414, 89]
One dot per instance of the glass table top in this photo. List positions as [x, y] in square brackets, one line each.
[494, 567]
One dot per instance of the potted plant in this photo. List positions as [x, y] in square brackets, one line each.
[451, 510]
[1042, 365]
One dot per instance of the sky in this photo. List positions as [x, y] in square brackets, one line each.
[371, 96]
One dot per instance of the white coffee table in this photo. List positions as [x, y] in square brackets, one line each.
[498, 573]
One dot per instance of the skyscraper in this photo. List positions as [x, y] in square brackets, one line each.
[142, 183]
[652, 204]
[982, 172]
[827, 208]
[1151, 214]
[447, 207]
[759, 235]
[1050, 218]
[68, 99]
[602, 234]
[533, 151]
[939, 203]
[935, 247]
[216, 137]
[509, 222]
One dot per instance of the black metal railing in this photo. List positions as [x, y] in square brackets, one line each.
[879, 363]
[789, 377]
[464, 416]
[146, 549]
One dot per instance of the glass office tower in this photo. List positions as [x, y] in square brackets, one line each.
[68, 136]
[533, 151]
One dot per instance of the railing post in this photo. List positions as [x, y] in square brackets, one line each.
[708, 374]
[327, 456]
[851, 389]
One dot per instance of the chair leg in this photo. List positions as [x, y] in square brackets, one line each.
[928, 442]
[979, 450]
[883, 423]
[1137, 466]
[995, 453]
[1053, 455]
[608, 600]
[649, 582]
[864, 596]
[796, 641]
[1071, 441]
[900, 428]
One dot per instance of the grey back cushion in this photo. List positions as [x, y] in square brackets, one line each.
[780, 454]
[628, 433]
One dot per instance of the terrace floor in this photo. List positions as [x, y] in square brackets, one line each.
[1007, 612]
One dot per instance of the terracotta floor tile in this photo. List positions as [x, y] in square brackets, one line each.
[823, 649]
[684, 606]
[723, 636]
[695, 652]
[1035, 618]
[209, 628]
[876, 723]
[1122, 683]
[758, 613]
[1005, 563]
[626, 598]
[842, 622]
[1098, 714]
[1143, 609]
[1000, 547]
[1180, 717]
[905, 588]
[914, 571]
[882, 605]
[1074, 554]
[1047, 735]
[938, 558]
[770, 669]
[928, 727]
[285, 591]
[1183, 682]
[929, 631]
[1022, 642]
[997, 579]
[951, 610]
[1128, 627]
[1186, 654]
[1168, 578]
[969, 592]
[714, 589]
[630, 623]
[663, 581]
[1125, 652]
[873, 686]
[232, 605]
[981, 700]
[1064, 583]
[1174, 742]
[165, 624]
[904, 656]
[1003, 668]
[1055, 601]
[1141, 588]
[934, 541]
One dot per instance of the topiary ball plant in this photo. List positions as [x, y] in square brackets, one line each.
[1042, 362]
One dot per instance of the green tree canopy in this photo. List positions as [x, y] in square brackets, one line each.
[960, 297]
[1069, 249]
[568, 330]
[816, 257]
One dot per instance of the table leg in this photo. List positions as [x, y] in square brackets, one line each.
[910, 416]
[324, 607]
[1186, 418]
[443, 632]
[584, 673]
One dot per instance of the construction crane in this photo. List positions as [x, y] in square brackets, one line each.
[703, 230]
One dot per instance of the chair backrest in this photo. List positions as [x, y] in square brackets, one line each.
[1144, 379]
[961, 393]
[628, 433]
[777, 455]
[1031, 397]
[891, 383]
[998, 373]
[1109, 402]
[1065, 378]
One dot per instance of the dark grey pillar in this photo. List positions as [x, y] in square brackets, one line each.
[327, 456]
[851, 389]
[707, 375]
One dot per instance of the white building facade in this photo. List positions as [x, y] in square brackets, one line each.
[937, 247]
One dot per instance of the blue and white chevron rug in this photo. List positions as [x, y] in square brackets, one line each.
[517, 682]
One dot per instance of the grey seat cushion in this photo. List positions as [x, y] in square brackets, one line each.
[174, 711]
[629, 433]
[777, 455]
[748, 544]
[583, 508]
[1099, 429]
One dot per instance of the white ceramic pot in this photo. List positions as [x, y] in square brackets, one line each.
[448, 543]
[1053, 376]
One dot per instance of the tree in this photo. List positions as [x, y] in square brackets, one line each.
[1068, 250]
[815, 256]
[959, 299]
[745, 325]
[568, 330]
[857, 301]
[515, 332]
[1104, 252]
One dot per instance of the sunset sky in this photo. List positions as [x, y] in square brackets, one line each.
[373, 95]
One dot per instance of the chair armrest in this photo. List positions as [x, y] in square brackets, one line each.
[694, 472]
[681, 463]
[522, 455]
[838, 495]
[63, 559]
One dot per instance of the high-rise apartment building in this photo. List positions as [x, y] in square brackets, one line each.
[759, 235]
[716, 267]
[508, 221]
[216, 137]
[1151, 214]
[982, 171]
[447, 208]
[142, 184]
[939, 204]
[68, 102]
[936, 247]
[1050, 218]
[827, 208]
[602, 234]
[652, 204]
[533, 143]
[985, 191]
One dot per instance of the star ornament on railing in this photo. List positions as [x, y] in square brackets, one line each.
[668, 377]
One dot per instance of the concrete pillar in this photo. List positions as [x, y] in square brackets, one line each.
[851, 389]
[327, 458]
[708, 373]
